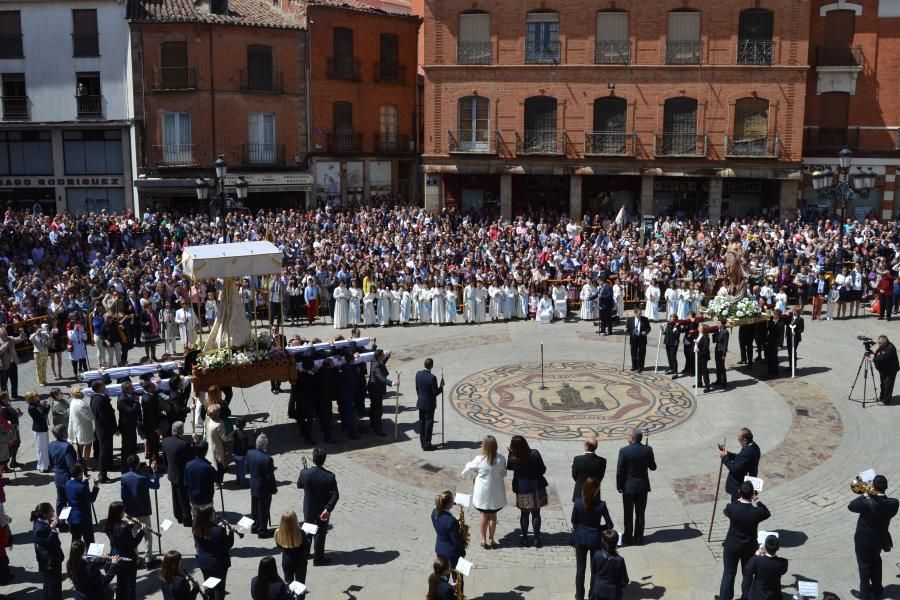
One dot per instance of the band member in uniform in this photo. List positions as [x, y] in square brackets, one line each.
[124, 538]
[439, 587]
[47, 549]
[320, 495]
[794, 330]
[80, 497]
[587, 465]
[135, 492]
[764, 571]
[872, 535]
[62, 458]
[633, 482]
[85, 572]
[671, 337]
[213, 542]
[178, 453]
[638, 328]
[427, 391]
[590, 518]
[174, 579]
[745, 462]
[740, 541]
[262, 485]
[449, 543]
[608, 573]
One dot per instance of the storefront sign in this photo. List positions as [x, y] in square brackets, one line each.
[679, 186]
[39, 182]
[736, 186]
[272, 179]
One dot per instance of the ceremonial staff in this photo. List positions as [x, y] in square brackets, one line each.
[156, 507]
[662, 328]
[624, 347]
[712, 519]
[443, 440]
[397, 409]
[793, 352]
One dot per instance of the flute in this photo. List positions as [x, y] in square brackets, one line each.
[194, 583]
[142, 525]
[234, 529]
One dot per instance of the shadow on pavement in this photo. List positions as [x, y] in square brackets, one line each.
[460, 444]
[559, 538]
[514, 594]
[662, 536]
[644, 589]
[362, 557]
[791, 539]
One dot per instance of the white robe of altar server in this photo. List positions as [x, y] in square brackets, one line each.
[480, 304]
[544, 312]
[406, 304]
[522, 302]
[437, 306]
[450, 312]
[671, 296]
[341, 307]
[384, 307]
[396, 296]
[587, 306]
[560, 306]
[369, 315]
[496, 295]
[619, 298]
[509, 301]
[354, 311]
[424, 304]
[684, 303]
[651, 306]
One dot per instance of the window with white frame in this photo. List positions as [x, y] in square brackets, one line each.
[262, 138]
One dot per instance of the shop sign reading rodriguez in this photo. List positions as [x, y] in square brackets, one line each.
[39, 182]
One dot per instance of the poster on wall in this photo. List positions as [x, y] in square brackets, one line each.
[379, 179]
[328, 183]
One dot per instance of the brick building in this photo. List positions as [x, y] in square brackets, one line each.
[363, 92]
[219, 77]
[691, 107]
[852, 99]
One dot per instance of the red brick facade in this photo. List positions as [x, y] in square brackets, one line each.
[854, 103]
[219, 92]
[377, 97]
[645, 83]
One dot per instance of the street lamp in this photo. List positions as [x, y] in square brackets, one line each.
[823, 182]
[241, 187]
[221, 200]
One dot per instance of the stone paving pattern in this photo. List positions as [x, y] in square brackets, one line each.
[382, 540]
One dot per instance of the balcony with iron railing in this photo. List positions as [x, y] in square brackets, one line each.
[174, 79]
[174, 155]
[609, 143]
[89, 106]
[542, 52]
[850, 57]
[85, 44]
[262, 82]
[538, 142]
[472, 141]
[684, 52]
[11, 45]
[346, 69]
[262, 154]
[392, 143]
[612, 52]
[830, 138]
[681, 145]
[15, 108]
[344, 141]
[755, 52]
[390, 72]
[766, 146]
[474, 53]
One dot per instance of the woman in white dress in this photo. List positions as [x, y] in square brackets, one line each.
[522, 302]
[651, 306]
[369, 316]
[81, 425]
[684, 301]
[341, 307]
[438, 317]
[781, 301]
[354, 298]
[489, 496]
[497, 301]
[384, 307]
[671, 296]
[396, 296]
[450, 312]
[587, 304]
[696, 299]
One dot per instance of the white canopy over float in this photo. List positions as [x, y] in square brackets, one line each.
[228, 262]
[231, 260]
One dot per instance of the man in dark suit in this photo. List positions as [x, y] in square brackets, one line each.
[200, 479]
[671, 337]
[378, 385]
[764, 571]
[304, 394]
[872, 534]
[691, 329]
[262, 485]
[606, 303]
[885, 360]
[587, 465]
[178, 452]
[320, 495]
[794, 332]
[633, 482]
[62, 457]
[638, 328]
[427, 390]
[104, 426]
[135, 492]
[701, 350]
[745, 462]
[722, 337]
[774, 342]
[740, 541]
[745, 342]
[128, 408]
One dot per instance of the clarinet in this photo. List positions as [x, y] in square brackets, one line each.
[135, 521]
[194, 583]
[228, 525]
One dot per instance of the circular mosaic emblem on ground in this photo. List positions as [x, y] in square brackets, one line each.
[578, 399]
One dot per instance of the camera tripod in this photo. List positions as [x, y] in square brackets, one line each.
[866, 368]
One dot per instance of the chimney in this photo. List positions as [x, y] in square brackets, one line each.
[218, 7]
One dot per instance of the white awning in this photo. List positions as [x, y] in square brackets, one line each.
[231, 260]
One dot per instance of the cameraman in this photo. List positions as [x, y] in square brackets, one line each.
[886, 362]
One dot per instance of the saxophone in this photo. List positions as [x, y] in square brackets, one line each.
[459, 584]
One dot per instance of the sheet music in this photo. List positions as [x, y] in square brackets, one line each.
[165, 525]
[808, 589]
[211, 582]
[245, 522]
[310, 528]
[868, 475]
[298, 588]
[762, 535]
[95, 550]
[756, 481]
[464, 566]
[462, 499]
[64, 513]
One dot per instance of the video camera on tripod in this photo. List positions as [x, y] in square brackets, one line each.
[868, 343]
